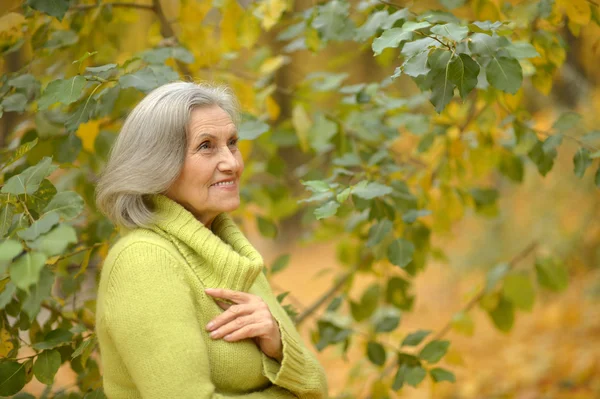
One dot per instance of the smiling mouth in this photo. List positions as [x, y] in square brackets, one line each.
[224, 184]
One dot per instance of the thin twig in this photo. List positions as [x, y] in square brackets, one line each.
[64, 317]
[474, 301]
[575, 139]
[86, 7]
[31, 219]
[98, 244]
[326, 296]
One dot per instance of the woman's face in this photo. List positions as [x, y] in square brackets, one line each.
[212, 156]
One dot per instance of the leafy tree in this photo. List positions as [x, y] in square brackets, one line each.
[389, 159]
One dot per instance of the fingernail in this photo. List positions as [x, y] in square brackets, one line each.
[210, 326]
[227, 337]
[213, 334]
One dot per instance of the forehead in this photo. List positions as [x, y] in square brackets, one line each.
[211, 120]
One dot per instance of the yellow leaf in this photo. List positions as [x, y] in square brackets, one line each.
[10, 28]
[578, 11]
[312, 39]
[245, 94]
[87, 132]
[487, 10]
[5, 343]
[245, 147]
[273, 108]
[542, 81]
[512, 101]
[271, 65]
[302, 124]
[270, 11]
[232, 13]
[249, 30]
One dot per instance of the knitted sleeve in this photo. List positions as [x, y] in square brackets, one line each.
[299, 371]
[150, 318]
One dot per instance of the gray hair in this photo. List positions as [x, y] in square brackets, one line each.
[149, 152]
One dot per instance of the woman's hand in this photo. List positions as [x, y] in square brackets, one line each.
[248, 317]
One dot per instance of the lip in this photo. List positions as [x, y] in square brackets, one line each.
[230, 187]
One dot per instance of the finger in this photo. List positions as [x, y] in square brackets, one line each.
[234, 296]
[223, 305]
[233, 325]
[248, 331]
[233, 312]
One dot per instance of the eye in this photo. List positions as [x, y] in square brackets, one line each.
[204, 145]
[234, 141]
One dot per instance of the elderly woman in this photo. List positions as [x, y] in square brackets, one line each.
[184, 310]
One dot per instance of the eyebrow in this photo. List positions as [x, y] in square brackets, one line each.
[212, 136]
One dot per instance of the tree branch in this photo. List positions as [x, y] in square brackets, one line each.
[167, 31]
[474, 301]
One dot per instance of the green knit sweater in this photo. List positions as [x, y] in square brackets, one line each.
[152, 312]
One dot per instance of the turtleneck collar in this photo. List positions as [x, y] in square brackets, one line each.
[222, 258]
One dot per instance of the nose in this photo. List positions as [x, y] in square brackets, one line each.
[228, 162]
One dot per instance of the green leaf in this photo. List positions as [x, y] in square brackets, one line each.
[329, 209]
[367, 305]
[95, 394]
[511, 166]
[38, 293]
[6, 215]
[442, 88]
[46, 366]
[505, 73]
[40, 199]
[61, 39]
[463, 72]
[371, 190]
[494, 275]
[12, 377]
[388, 321]
[16, 102]
[503, 315]
[54, 339]
[463, 323]
[417, 46]
[522, 50]
[9, 249]
[332, 21]
[252, 129]
[379, 231]
[316, 186]
[39, 227]
[566, 121]
[452, 4]
[414, 375]
[64, 91]
[518, 289]
[85, 349]
[551, 143]
[56, 241]
[412, 215]
[400, 252]
[391, 38]
[66, 204]
[414, 339]
[7, 294]
[321, 133]
[397, 293]
[484, 196]
[451, 31]
[144, 80]
[581, 161]
[280, 263]
[375, 22]
[19, 152]
[434, 351]
[552, 274]
[542, 159]
[483, 44]
[266, 227]
[28, 181]
[25, 271]
[55, 8]
[161, 55]
[416, 65]
[439, 374]
[376, 353]
[411, 26]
